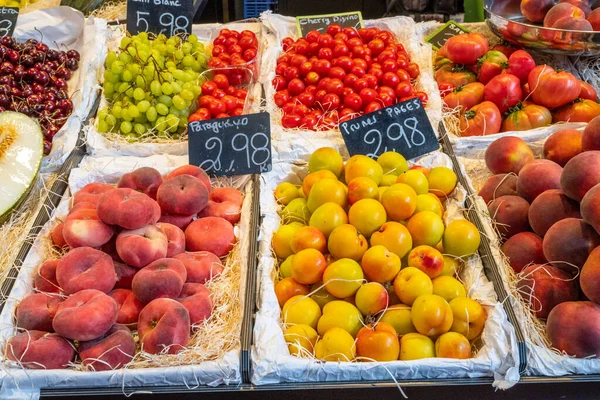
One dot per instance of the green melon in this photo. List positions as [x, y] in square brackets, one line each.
[21, 152]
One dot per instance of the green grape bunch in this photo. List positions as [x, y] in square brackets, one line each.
[151, 86]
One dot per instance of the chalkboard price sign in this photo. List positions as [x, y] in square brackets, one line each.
[169, 17]
[439, 37]
[231, 146]
[321, 22]
[8, 20]
[403, 128]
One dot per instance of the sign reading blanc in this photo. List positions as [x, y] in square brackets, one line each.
[321, 22]
[8, 20]
[439, 37]
[403, 128]
[169, 17]
[231, 146]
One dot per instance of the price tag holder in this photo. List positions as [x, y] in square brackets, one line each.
[441, 36]
[231, 146]
[169, 17]
[403, 128]
[8, 20]
[321, 22]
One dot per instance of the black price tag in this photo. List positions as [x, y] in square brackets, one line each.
[169, 17]
[8, 20]
[231, 146]
[403, 128]
[321, 22]
[439, 37]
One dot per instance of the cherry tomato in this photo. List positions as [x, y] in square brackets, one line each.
[390, 79]
[235, 48]
[403, 89]
[286, 43]
[219, 94]
[445, 89]
[334, 29]
[344, 63]
[373, 106]
[220, 40]
[309, 122]
[340, 50]
[350, 80]
[302, 46]
[295, 86]
[376, 72]
[281, 97]
[305, 68]
[322, 67]
[402, 61]
[335, 86]
[320, 95]
[341, 36]
[284, 58]
[376, 46]
[291, 73]
[197, 117]
[359, 52]
[325, 53]
[337, 72]
[347, 91]
[306, 98]
[297, 60]
[386, 55]
[205, 100]
[279, 83]
[225, 33]
[403, 75]
[358, 71]
[290, 121]
[368, 95]
[360, 85]
[217, 50]
[353, 101]
[216, 63]
[311, 89]
[280, 68]
[387, 90]
[331, 101]
[221, 81]
[208, 87]
[241, 93]
[422, 96]
[217, 107]
[389, 65]
[359, 62]
[353, 42]
[350, 32]
[325, 41]
[231, 90]
[323, 83]
[230, 102]
[313, 49]
[237, 112]
[312, 78]
[371, 80]
[312, 36]
[248, 42]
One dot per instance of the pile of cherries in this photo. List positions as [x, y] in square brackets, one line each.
[33, 81]
[324, 79]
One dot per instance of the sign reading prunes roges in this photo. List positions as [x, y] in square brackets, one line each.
[321, 22]
[439, 37]
[403, 128]
[8, 20]
[231, 146]
[169, 17]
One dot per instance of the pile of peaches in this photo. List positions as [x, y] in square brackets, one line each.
[125, 268]
[574, 15]
[367, 268]
[548, 212]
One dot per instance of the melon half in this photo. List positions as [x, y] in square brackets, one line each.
[21, 152]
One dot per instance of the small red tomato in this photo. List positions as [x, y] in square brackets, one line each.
[358, 71]
[225, 33]
[248, 42]
[353, 101]
[386, 99]
[208, 87]
[335, 86]
[280, 68]
[305, 68]
[323, 83]
[390, 79]
[325, 41]
[445, 88]
[325, 53]
[322, 67]
[371, 80]
[231, 41]
[237, 112]
[403, 89]
[195, 117]
[295, 86]
[230, 102]
[350, 80]
[402, 62]
[219, 94]
[291, 73]
[309, 122]
[368, 95]
[353, 42]
[347, 91]
[217, 50]
[360, 85]
[312, 78]
[302, 47]
[359, 51]
[281, 98]
[386, 90]
[344, 63]
[220, 40]
[389, 65]
[221, 81]
[400, 48]
[249, 55]
[376, 46]
[312, 36]
[334, 29]
[320, 95]
[311, 89]
[205, 100]
[231, 90]
[217, 107]
[350, 32]
[287, 43]
[413, 70]
[222, 115]
[216, 63]
[403, 75]
[360, 63]
[341, 36]
[376, 72]
[297, 60]
[241, 93]
[422, 96]
[340, 50]
[313, 49]
[337, 72]
[279, 83]
[240, 102]
[331, 101]
[290, 121]
[235, 48]
[306, 98]
[386, 55]
[373, 106]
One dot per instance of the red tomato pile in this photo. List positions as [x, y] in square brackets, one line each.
[502, 89]
[219, 99]
[234, 49]
[325, 79]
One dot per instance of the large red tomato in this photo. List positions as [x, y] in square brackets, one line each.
[483, 119]
[581, 110]
[552, 89]
[490, 65]
[466, 48]
[520, 64]
[504, 91]
[587, 91]
[466, 97]
[525, 116]
[454, 75]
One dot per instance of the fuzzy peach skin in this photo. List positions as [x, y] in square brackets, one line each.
[498, 185]
[580, 174]
[180, 221]
[570, 240]
[126, 208]
[164, 326]
[193, 171]
[225, 203]
[175, 238]
[536, 177]
[139, 247]
[183, 195]
[86, 268]
[86, 315]
[129, 306]
[44, 277]
[145, 180]
[201, 266]
[544, 287]
[40, 350]
[162, 278]
[91, 193]
[196, 298]
[84, 228]
[36, 311]
[510, 213]
[549, 208]
[125, 275]
[212, 234]
[523, 249]
[111, 351]
[573, 327]
[85, 204]
[57, 236]
[507, 154]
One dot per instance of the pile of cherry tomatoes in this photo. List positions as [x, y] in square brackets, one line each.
[501, 89]
[219, 99]
[324, 79]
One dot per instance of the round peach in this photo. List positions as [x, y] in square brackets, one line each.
[195, 297]
[44, 277]
[126, 208]
[129, 306]
[192, 170]
[84, 228]
[111, 351]
[183, 195]
[139, 247]
[91, 193]
[36, 311]
[145, 180]
[85, 268]
[162, 278]
[175, 238]
[212, 234]
[40, 350]
[164, 327]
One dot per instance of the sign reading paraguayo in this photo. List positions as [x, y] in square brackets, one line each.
[441, 36]
[169, 17]
[231, 146]
[321, 22]
[8, 20]
[402, 127]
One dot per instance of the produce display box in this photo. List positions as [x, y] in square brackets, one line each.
[271, 360]
[99, 145]
[222, 367]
